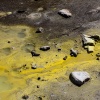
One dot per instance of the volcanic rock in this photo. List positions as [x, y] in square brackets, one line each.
[45, 48]
[40, 30]
[79, 77]
[34, 53]
[73, 52]
[65, 13]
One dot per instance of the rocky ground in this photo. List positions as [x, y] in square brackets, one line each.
[28, 72]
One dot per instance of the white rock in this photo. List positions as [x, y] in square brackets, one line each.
[65, 13]
[90, 49]
[80, 77]
[87, 40]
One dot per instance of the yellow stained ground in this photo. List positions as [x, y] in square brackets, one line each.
[16, 79]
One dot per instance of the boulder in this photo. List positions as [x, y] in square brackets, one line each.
[65, 13]
[79, 77]
[73, 52]
[45, 48]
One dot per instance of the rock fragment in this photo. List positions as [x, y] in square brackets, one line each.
[98, 58]
[88, 43]
[73, 52]
[87, 40]
[45, 48]
[90, 49]
[34, 16]
[98, 54]
[65, 58]
[65, 13]
[40, 30]
[79, 77]
[25, 97]
[33, 53]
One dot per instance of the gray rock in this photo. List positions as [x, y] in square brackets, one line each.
[73, 52]
[65, 13]
[79, 77]
[40, 30]
[40, 9]
[87, 40]
[33, 53]
[45, 48]
[34, 16]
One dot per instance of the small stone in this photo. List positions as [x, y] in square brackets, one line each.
[33, 53]
[8, 41]
[98, 58]
[34, 16]
[87, 40]
[37, 86]
[59, 50]
[20, 11]
[40, 9]
[40, 30]
[65, 13]
[73, 52]
[25, 97]
[65, 58]
[45, 48]
[34, 66]
[98, 54]
[38, 78]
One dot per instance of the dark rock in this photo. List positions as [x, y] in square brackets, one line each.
[34, 53]
[59, 49]
[98, 54]
[40, 30]
[9, 42]
[96, 37]
[98, 58]
[65, 58]
[25, 97]
[40, 98]
[38, 78]
[45, 48]
[37, 86]
[73, 52]
[20, 11]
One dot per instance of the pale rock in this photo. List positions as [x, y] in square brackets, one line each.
[65, 13]
[79, 77]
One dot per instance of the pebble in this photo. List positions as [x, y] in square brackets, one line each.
[45, 48]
